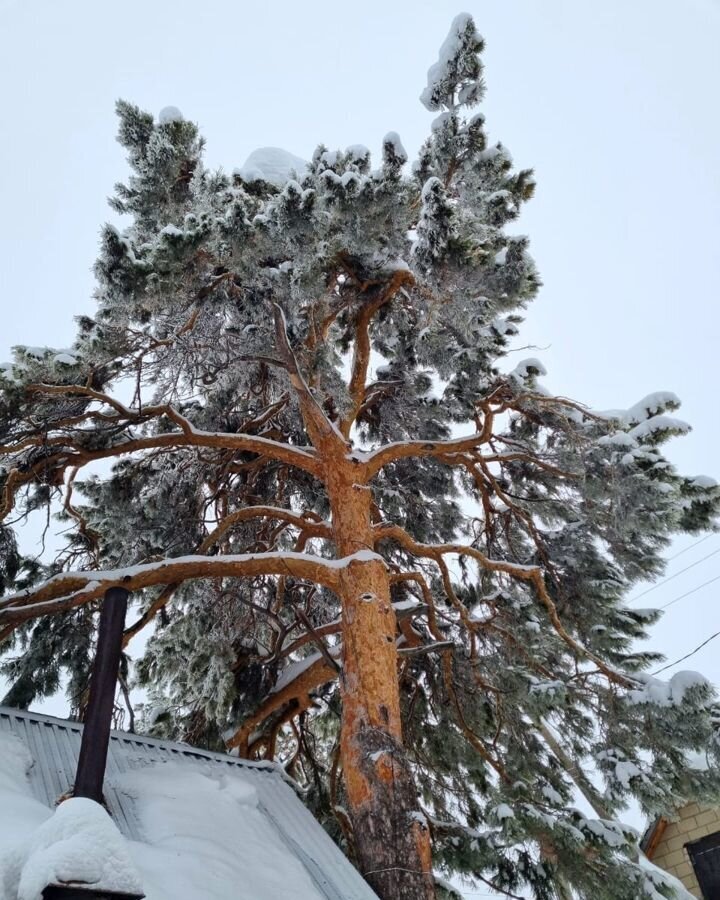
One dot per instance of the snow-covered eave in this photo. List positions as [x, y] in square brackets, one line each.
[652, 836]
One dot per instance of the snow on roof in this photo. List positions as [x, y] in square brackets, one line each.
[77, 844]
[272, 164]
[195, 823]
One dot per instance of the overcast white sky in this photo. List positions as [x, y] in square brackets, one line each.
[614, 102]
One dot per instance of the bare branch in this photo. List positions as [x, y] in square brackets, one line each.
[311, 527]
[383, 456]
[388, 530]
[532, 574]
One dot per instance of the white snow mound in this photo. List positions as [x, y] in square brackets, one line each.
[272, 164]
[79, 845]
[666, 693]
[205, 836]
[169, 114]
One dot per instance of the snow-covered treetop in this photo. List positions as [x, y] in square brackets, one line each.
[456, 78]
[170, 114]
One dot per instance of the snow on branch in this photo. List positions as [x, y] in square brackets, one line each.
[295, 693]
[71, 589]
[69, 453]
[69, 449]
[376, 460]
[307, 522]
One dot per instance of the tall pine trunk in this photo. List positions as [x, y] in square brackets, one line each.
[392, 842]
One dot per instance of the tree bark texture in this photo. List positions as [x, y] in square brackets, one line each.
[392, 841]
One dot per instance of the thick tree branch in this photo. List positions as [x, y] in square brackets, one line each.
[158, 603]
[532, 574]
[361, 352]
[449, 450]
[70, 454]
[390, 531]
[375, 460]
[309, 526]
[123, 412]
[323, 434]
[71, 589]
[297, 694]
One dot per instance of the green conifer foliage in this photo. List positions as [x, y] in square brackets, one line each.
[244, 325]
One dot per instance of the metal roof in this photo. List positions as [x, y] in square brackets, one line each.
[54, 745]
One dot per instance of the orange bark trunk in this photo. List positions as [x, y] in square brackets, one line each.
[392, 842]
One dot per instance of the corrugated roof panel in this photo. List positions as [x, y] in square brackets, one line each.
[45, 757]
[55, 744]
[309, 841]
[67, 755]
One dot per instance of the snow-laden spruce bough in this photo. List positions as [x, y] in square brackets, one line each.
[362, 541]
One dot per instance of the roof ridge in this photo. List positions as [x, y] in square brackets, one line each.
[128, 736]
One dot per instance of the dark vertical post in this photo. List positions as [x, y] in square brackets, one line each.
[103, 681]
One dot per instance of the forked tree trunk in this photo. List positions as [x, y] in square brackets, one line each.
[392, 842]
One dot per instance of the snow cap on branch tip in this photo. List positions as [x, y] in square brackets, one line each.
[703, 481]
[669, 693]
[170, 114]
[528, 368]
[393, 150]
[272, 164]
[654, 404]
[357, 152]
[456, 78]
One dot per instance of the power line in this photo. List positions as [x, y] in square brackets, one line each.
[687, 655]
[681, 572]
[693, 591]
[682, 597]
[694, 544]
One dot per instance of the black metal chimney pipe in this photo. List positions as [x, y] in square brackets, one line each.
[103, 682]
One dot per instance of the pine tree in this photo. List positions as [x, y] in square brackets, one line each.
[363, 547]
